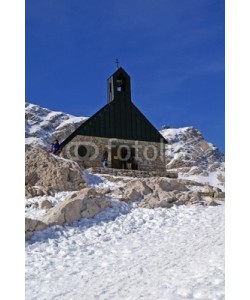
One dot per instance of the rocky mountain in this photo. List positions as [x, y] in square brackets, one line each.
[43, 126]
[199, 164]
[187, 152]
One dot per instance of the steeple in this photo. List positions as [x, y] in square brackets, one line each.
[118, 86]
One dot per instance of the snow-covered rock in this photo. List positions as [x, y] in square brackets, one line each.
[43, 126]
[135, 189]
[209, 201]
[33, 225]
[85, 203]
[192, 157]
[187, 148]
[165, 192]
[140, 187]
[162, 199]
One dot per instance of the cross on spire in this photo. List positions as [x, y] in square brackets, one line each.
[117, 63]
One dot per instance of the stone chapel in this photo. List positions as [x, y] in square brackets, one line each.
[119, 128]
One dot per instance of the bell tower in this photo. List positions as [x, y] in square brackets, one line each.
[118, 86]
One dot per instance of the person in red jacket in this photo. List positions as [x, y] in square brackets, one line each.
[51, 149]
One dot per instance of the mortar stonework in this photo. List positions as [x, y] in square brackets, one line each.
[149, 155]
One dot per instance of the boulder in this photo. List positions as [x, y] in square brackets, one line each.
[163, 199]
[46, 204]
[163, 191]
[103, 190]
[131, 194]
[170, 197]
[207, 190]
[46, 173]
[170, 185]
[220, 195]
[194, 171]
[33, 225]
[216, 189]
[149, 202]
[208, 201]
[194, 198]
[34, 191]
[133, 190]
[85, 203]
[183, 198]
[188, 182]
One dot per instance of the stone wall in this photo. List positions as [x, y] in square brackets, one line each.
[133, 173]
[88, 151]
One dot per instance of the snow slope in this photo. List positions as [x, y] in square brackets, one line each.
[127, 252]
[131, 253]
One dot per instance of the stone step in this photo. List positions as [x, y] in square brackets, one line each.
[132, 173]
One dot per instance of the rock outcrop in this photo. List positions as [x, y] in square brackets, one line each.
[139, 188]
[33, 225]
[165, 192]
[187, 148]
[46, 204]
[189, 154]
[43, 126]
[85, 203]
[46, 173]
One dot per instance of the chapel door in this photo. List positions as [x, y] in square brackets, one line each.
[118, 160]
[115, 162]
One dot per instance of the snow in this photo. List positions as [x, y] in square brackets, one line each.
[127, 252]
[32, 209]
[99, 181]
[34, 141]
[171, 132]
[72, 120]
[211, 179]
[41, 124]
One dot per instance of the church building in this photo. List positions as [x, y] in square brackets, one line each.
[120, 131]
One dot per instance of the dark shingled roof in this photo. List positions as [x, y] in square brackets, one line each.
[120, 118]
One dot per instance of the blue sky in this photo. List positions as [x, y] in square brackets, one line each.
[173, 51]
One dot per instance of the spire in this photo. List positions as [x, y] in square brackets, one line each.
[117, 64]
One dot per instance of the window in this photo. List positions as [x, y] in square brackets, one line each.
[120, 84]
[82, 151]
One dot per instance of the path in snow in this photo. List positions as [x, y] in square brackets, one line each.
[130, 253]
